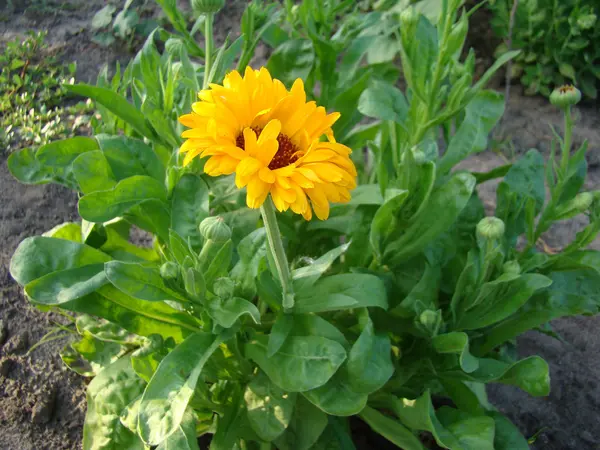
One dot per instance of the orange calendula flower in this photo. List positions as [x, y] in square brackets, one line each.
[271, 138]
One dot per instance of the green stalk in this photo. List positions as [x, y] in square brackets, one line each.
[208, 41]
[276, 247]
[566, 150]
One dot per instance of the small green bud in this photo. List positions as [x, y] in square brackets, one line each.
[511, 267]
[207, 6]
[490, 228]
[565, 96]
[169, 270]
[174, 46]
[575, 206]
[224, 287]
[431, 321]
[215, 229]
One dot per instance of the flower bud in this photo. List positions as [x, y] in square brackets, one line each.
[565, 96]
[174, 46]
[511, 267]
[169, 270]
[207, 6]
[575, 206]
[431, 321]
[490, 228]
[224, 287]
[215, 229]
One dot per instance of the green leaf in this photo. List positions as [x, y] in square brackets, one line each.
[102, 206]
[451, 198]
[291, 60]
[370, 361]
[128, 157]
[51, 163]
[89, 356]
[137, 281]
[383, 101]
[281, 330]
[107, 395]
[170, 390]
[93, 173]
[69, 231]
[384, 222]
[38, 256]
[367, 194]
[66, 285]
[137, 316]
[507, 436]
[269, 408]
[313, 325]
[184, 438]
[456, 342]
[116, 104]
[103, 17]
[306, 425]
[472, 432]
[227, 312]
[337, 397]
[481, 115]
[301, 364]
[306, 276]
[503, 59]
[342, 292]
[252, 249]
[500, 298]
[567, 70]
[390, 429]
[189, 207]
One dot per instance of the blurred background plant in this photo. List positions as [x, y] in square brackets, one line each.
[560, 43]
[33, 109]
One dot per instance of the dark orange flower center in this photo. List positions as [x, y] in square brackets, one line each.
[286, 154]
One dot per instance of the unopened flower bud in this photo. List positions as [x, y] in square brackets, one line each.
[174, 46]
[224, 287]
[511, 267]
[207, 6]
[490, 228]
[215, 229]
[169, 270]
[575, 206]
[565, 96]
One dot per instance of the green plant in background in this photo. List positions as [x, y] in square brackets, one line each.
[32, 103]
[560, 43]
[271, 333]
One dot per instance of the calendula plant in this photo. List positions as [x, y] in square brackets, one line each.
[559, 42]
[292, 283]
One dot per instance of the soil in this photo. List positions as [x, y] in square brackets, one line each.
[42, 405]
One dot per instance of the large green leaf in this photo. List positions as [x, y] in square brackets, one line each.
[189, 206]
[384, 222]
[129, 157]
[370, 361]
[226, 312]
[342, 292]
[166, 397]
[456, 342]
[383, 101]
[51, 162]
[472, 432]
[107, 396]
[481, 115]
[307, 424]
[116, 104]
[138, 281]
[450, 198]
[306, 276]
[102, 206]
[269, 408]
[251, 250]
[337, 397]
[390, 429]
[38, 256]
[302, 362]
[93, 173]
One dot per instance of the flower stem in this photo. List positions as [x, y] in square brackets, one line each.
[208, 42]
[276, 247]
[566, 150]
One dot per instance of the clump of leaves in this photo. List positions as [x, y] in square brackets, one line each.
[33, 94]
[111, 23]
[560, 43]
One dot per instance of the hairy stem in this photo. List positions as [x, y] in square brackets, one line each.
[208, 42]
[276, 247]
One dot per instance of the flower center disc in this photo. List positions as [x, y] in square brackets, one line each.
[286, 154]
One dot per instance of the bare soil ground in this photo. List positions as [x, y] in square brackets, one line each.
[42, 405]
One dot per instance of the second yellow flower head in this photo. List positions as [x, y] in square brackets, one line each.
[271, 138]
